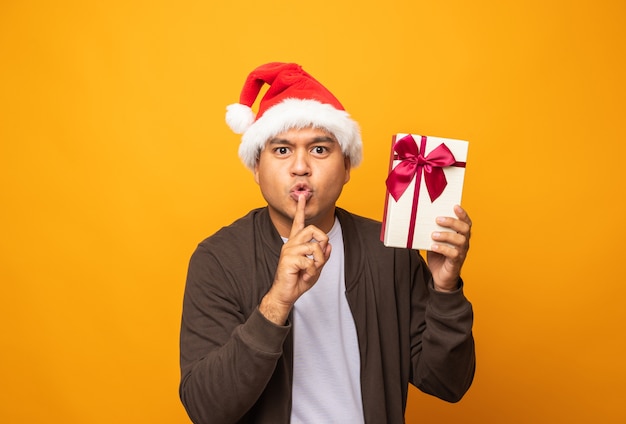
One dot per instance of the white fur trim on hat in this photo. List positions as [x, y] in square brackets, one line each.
[301, 113]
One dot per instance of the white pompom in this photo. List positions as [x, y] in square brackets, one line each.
[239, 117]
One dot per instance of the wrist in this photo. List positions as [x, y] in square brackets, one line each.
[274, 311]
[447, 287]
[443, 290]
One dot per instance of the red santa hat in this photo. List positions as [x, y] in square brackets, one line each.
[293, 100]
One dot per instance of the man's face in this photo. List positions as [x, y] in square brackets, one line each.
[305, 161]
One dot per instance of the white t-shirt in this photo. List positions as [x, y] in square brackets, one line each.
[327, 366]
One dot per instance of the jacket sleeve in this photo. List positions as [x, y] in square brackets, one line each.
[442, 344]
[227, 355]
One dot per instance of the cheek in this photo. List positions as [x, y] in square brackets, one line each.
[267, 181]
[262, 171]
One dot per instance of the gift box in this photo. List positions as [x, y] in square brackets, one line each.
[425, 181]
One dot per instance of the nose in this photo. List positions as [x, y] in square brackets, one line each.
[300, 163]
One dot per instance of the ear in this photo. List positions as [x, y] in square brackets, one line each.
[348, 167]
[256, 171]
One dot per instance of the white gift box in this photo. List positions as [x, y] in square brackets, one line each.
[425, 181]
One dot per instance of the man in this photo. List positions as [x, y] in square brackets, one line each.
[297, 312]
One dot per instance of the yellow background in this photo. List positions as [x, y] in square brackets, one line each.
[115, 161]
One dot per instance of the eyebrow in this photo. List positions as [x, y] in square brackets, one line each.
[319, 139]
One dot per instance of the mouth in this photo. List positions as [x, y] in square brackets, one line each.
[299, 189]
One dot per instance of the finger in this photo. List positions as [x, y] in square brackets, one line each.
[456, 225]
[319, 253]
[327, 249]
[453, 246]
[455, 240]
[448, 251]
[309, 234]
[462, 214]
[310, 273]
[314, 251]
[298, 219]
[311, 265]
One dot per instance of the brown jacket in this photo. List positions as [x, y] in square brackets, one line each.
[236, 366]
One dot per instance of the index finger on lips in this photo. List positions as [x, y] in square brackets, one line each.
[298, 219]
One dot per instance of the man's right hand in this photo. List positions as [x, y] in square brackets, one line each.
[301, 261]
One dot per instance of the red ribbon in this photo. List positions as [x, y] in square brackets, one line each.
[414, 164]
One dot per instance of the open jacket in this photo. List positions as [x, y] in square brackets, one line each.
[236, 366]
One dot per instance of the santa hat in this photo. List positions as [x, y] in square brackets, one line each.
[294, 100]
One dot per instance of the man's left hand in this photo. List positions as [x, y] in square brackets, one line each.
[450, 250]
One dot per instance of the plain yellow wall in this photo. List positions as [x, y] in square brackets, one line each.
[115, 161]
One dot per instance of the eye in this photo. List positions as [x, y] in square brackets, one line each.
[281, 151]
[319, 150]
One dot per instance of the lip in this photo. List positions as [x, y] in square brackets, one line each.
[299, 189]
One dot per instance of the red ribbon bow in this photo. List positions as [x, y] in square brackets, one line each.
[413, 163]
